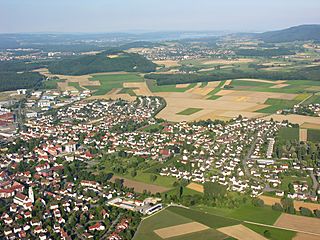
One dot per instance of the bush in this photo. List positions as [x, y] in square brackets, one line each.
[257, 202]
[267, 233]
[277, 207]
[317, 213]
[306, 212]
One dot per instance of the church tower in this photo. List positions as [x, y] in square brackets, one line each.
[31, 195]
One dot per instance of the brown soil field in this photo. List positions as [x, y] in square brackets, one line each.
[297, 204]
[310, 126]
[140, 186]
[294, 118]
[280, 85]
[303, 236]
[224, 92]
[303, 134]
[241, 232]
[182, 85]
[196, 187]
[167, 63]
[299, 223]
[179, 230]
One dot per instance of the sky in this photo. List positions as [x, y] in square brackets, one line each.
[154, 15]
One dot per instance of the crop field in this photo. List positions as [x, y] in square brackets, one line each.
[111, 81]
[189, 111]
[288, 134]
[275, 234]
[278, 104]
[313, 135]
[221, 223]
[241, 232]
[181, 229]
[248, 212]
[297, 204]
[299, 223]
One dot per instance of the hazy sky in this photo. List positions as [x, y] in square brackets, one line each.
[154, 15]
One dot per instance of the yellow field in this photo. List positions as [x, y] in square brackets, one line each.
[299, 223]
[241, 232]
[196, 187]
[179, 230]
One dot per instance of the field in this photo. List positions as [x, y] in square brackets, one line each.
[241, 232]
[219, 221]
[189, 111]
[275, 234]
[219, 99]
[297, 204]
[248, 212]
[141, 186]
[168, 218]
[313, 135]
[299, 223]
[181, 229]
[288, 134]
[196, 187]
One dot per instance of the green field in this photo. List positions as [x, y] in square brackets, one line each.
[51, 84]
[314, 135]
[214, 218]
[247, 212]
[213, 221]
[128, 91]
[275, 234]
[313, 99]
[277, 104]
[167, 218]
[288, 134]
[189, 111]
[76, 86]
[166, 88]
[109, 82]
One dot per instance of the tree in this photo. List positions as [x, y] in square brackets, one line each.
[257, 202]
[133, 173]
[153, 178]
[214, 190]
[306, 212]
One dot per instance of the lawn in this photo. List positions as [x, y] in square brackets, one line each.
[213, 221]
[275, 234]
[277, 104]
[189, 111]
[288, 134]
[111, 81]
[290, 179]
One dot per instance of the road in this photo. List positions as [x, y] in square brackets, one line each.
[114, 223]
[315, 185]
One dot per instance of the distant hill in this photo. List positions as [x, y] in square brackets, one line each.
[298, 33]
[103, 62]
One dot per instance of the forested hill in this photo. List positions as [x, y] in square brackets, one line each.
[298, 33]
[103, 62]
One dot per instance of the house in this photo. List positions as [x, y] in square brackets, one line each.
[97, 227]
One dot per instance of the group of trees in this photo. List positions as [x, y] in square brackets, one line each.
[129, 62]
[18, 74]
[309, 73]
